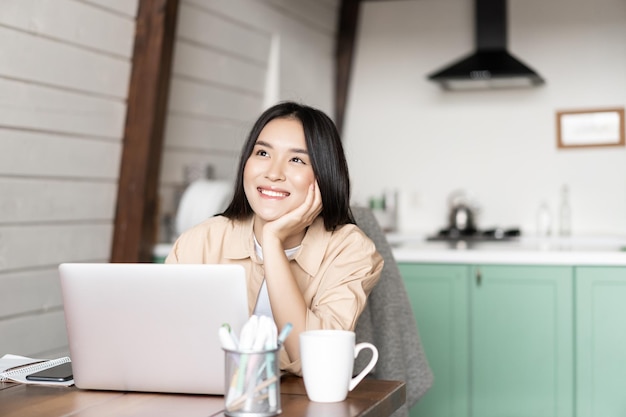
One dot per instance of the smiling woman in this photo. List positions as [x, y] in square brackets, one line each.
[290, 226]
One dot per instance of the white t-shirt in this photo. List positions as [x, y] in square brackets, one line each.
[263, 307]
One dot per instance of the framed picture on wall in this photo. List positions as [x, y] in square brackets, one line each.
[586, 128]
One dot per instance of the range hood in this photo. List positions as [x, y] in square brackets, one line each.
[491, 65]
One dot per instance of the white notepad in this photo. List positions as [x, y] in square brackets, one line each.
[151, 327]
[16, 368]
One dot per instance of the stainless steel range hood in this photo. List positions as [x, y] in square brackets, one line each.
[491, 65]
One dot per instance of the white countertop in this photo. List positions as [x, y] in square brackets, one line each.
[609, 251]
[605, 251]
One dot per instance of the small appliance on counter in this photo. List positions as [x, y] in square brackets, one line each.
[202, 199]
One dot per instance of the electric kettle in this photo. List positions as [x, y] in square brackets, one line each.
[462, 217]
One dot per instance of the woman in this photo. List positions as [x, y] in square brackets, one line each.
[289, 224]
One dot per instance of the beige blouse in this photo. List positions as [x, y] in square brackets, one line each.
[335, 270]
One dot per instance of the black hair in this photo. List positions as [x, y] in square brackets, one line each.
[327, 158]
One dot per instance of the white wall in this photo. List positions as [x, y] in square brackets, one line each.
[499, 145]
[64, 73]
[219, 82]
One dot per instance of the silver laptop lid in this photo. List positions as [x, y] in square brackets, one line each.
[151, 327]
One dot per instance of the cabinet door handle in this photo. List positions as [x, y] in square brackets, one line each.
[479, 277]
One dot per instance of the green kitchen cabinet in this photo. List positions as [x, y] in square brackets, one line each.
[600, 341]
[498, 338]
[521, 361]
[439, 297]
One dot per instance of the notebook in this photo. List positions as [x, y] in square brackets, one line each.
[151, 327]
[16, 368]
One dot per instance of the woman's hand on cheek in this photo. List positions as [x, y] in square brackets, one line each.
[312, 205]
[299, 218]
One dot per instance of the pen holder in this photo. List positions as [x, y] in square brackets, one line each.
[252, 383]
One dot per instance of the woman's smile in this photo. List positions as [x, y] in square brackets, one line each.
[269, 193]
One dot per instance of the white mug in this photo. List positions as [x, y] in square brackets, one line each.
[327, 358]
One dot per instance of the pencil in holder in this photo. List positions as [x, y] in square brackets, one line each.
[252, 383]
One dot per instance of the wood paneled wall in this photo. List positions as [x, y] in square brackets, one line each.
[64, 74]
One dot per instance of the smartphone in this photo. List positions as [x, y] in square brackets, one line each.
[59, 373]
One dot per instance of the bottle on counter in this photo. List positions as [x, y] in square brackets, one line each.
[565, 213]
[544, 220]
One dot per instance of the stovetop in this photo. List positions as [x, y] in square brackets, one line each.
[474, 235]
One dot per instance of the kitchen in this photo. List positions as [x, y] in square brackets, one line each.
[510, 327]
[499, 145]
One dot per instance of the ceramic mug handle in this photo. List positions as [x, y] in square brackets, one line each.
[355, 381]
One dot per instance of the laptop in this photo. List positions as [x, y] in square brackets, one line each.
[151, 327]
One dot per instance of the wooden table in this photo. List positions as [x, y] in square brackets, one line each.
[371, 398]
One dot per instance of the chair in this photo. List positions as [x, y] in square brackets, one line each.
[388, 322]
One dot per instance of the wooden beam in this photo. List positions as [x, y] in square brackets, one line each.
[137, 199]
[346, 36]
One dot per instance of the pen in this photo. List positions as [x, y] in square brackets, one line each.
[271, 343]
[248, 334]
[227, 341]
[284, 333]
[233, 335]
[262, 332]
[226, 338]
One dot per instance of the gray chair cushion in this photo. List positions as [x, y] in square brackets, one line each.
[389, 324]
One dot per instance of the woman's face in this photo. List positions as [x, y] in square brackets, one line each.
[278, 173]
